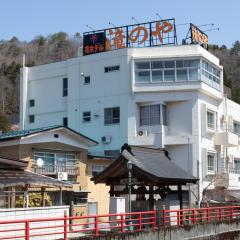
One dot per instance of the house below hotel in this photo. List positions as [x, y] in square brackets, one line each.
[62, 153]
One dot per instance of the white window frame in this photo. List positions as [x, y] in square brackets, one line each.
[211, 128]
[211, 169]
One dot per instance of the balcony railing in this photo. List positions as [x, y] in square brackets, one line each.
[54, 169]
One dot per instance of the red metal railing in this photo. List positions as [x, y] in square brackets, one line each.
[95, 225]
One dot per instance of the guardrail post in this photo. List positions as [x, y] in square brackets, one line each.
[194, 220]
[96, 226]
[220, 214]
[163, 216]
[140, 221]
[27, 237]
[154, 219]
[65, 229]
[231, 213]
[208, 215]
[122, 223]
[178, 217]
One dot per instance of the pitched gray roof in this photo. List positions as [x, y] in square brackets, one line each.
[151, 163]
[23, 133]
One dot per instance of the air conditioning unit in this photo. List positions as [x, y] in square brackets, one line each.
[142, 132]
[106, 139]
[62, 176]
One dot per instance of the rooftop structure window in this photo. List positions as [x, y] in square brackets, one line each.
[111, 115]
[179, 70]
[112, 68]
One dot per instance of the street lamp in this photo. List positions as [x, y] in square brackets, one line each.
[129, 167]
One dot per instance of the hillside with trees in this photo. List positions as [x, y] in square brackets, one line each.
[60, 46]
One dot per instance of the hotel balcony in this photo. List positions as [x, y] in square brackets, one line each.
[47, 169]
[228, 179]
[228, 139]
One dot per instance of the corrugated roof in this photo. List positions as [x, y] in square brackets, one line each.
[23, 133]
[10, 178]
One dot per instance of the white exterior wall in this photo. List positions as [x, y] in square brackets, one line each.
[186, 136]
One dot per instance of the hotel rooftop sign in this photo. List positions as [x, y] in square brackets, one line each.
[148, 34]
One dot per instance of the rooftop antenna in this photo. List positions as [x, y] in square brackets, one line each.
[133, 18]
[212, 29]
[183, 24]
[110, 23]
[90, 27]
[204, 25]
[157, 14]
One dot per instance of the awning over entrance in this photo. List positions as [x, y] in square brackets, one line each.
[149, 167]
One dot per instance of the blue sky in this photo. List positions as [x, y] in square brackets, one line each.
[27, 18]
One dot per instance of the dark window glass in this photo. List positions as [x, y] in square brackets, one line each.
[65, 121]
[87, 80]
[31, 102]
[111, 153]
[86, 117]
[65, 87]
[111, 68]
[31, 118]
[111, 115]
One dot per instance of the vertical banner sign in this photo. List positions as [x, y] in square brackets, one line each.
[138, 35]
[198, 36]
[93, 43]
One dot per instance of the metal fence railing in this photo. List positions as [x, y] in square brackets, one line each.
[96, 225]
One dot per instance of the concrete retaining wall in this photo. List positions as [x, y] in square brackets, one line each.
[223, 231]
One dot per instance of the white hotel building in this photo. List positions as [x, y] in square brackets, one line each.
[168, 97]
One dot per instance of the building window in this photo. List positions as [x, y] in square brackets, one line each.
[65, 121]
[210, 120]
[111, 153]
[237, 165]
[211, 162]
[111, 115]
[31, 103]
[177, 70]
[97, 169]
[167, 71]
[53, 159]
[236, 128]
[31, 118]
[150, 115]
[86, 117]
[112, 68]
[87, 80]
[65, 87]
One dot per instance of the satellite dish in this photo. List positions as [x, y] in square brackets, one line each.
[39, 162]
